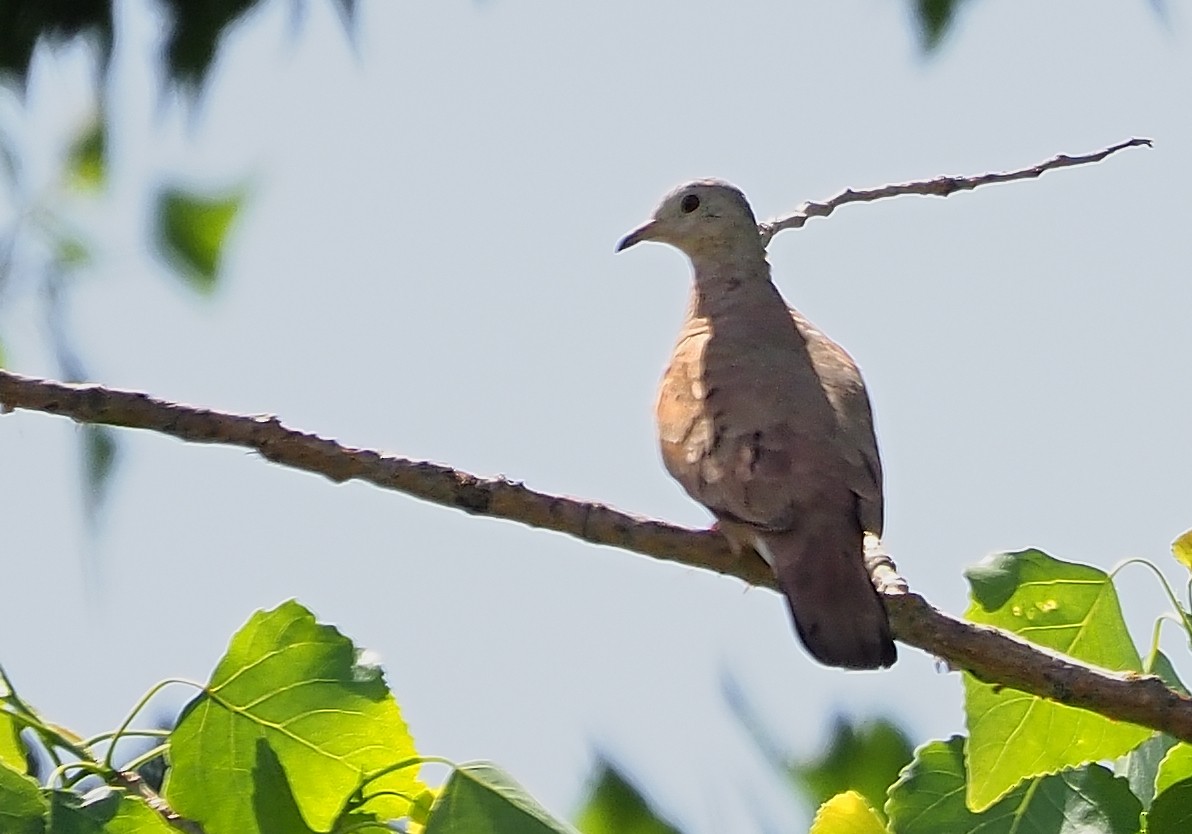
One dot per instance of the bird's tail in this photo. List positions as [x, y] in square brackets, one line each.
[837, 612]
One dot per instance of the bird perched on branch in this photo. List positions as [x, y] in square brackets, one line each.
[765, 421]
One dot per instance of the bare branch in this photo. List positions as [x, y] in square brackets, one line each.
[991, 655]
[938, 187]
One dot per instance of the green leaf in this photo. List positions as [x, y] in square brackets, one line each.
[104, 811]
[865, 758]
[1160, 665]
[1171, 812]
[1175, 767]
[929, 798]
[22, 807]
[934, 18]
[847, 813]
[3, 358]
[192, 231]
[479, 798]
[614, 806]
[1140, 767]
[290, 718]
[86, 161]
[12, 750]
[1181, 549]
[1063, 606]
[100, 451]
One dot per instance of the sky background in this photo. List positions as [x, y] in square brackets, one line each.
[426, 267]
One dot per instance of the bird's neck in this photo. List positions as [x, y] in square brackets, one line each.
[731, 281]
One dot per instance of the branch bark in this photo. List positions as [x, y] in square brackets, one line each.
[989, 654]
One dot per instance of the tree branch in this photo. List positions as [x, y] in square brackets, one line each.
[938, 187]
[991, 655]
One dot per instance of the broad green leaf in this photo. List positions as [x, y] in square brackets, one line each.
[847, 813]
[480, 798]
[614, 806]
[86, 161]
[3, 358]
[929, 799]
[191, 233]
[12, 749]
[1171, 812]
[22, 807]
[1063, 606]
[104, 811]
[865, 758]
[1175, 767]
[289, 718]
[1181, 549]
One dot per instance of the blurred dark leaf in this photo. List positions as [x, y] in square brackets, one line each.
[614, 806]
[86, 162]
[934, 17]
[193, 32]
[99, 457]
[23, 22]
[865, 758]
[191, 231]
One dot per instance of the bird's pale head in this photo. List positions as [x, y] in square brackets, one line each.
[700, 218]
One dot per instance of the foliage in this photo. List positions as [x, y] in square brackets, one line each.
[46, 252]
[294, 732]
[192, 32]
[297, 732]
[1028, 764]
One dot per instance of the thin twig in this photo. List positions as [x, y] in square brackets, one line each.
[938, 187]
[989, 654]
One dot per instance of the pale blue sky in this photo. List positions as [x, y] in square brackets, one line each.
[426, 267]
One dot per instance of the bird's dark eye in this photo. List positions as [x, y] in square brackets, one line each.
[690, 203]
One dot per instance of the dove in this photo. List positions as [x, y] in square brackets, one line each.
[766, 422]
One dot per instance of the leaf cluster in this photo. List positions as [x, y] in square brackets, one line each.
[297, 731]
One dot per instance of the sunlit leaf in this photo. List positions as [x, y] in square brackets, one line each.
[480, 798]
[23, 809]
[865, 758]
[1175, 767]
[1181, 549]
[289, 712]
[1063, 606]
[86, 161]
[191, 233]
[615, 806]
[12, 749]
[104, 811]
[929, 799]
[847, 813]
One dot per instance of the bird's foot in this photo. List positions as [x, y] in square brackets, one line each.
[881, 567]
